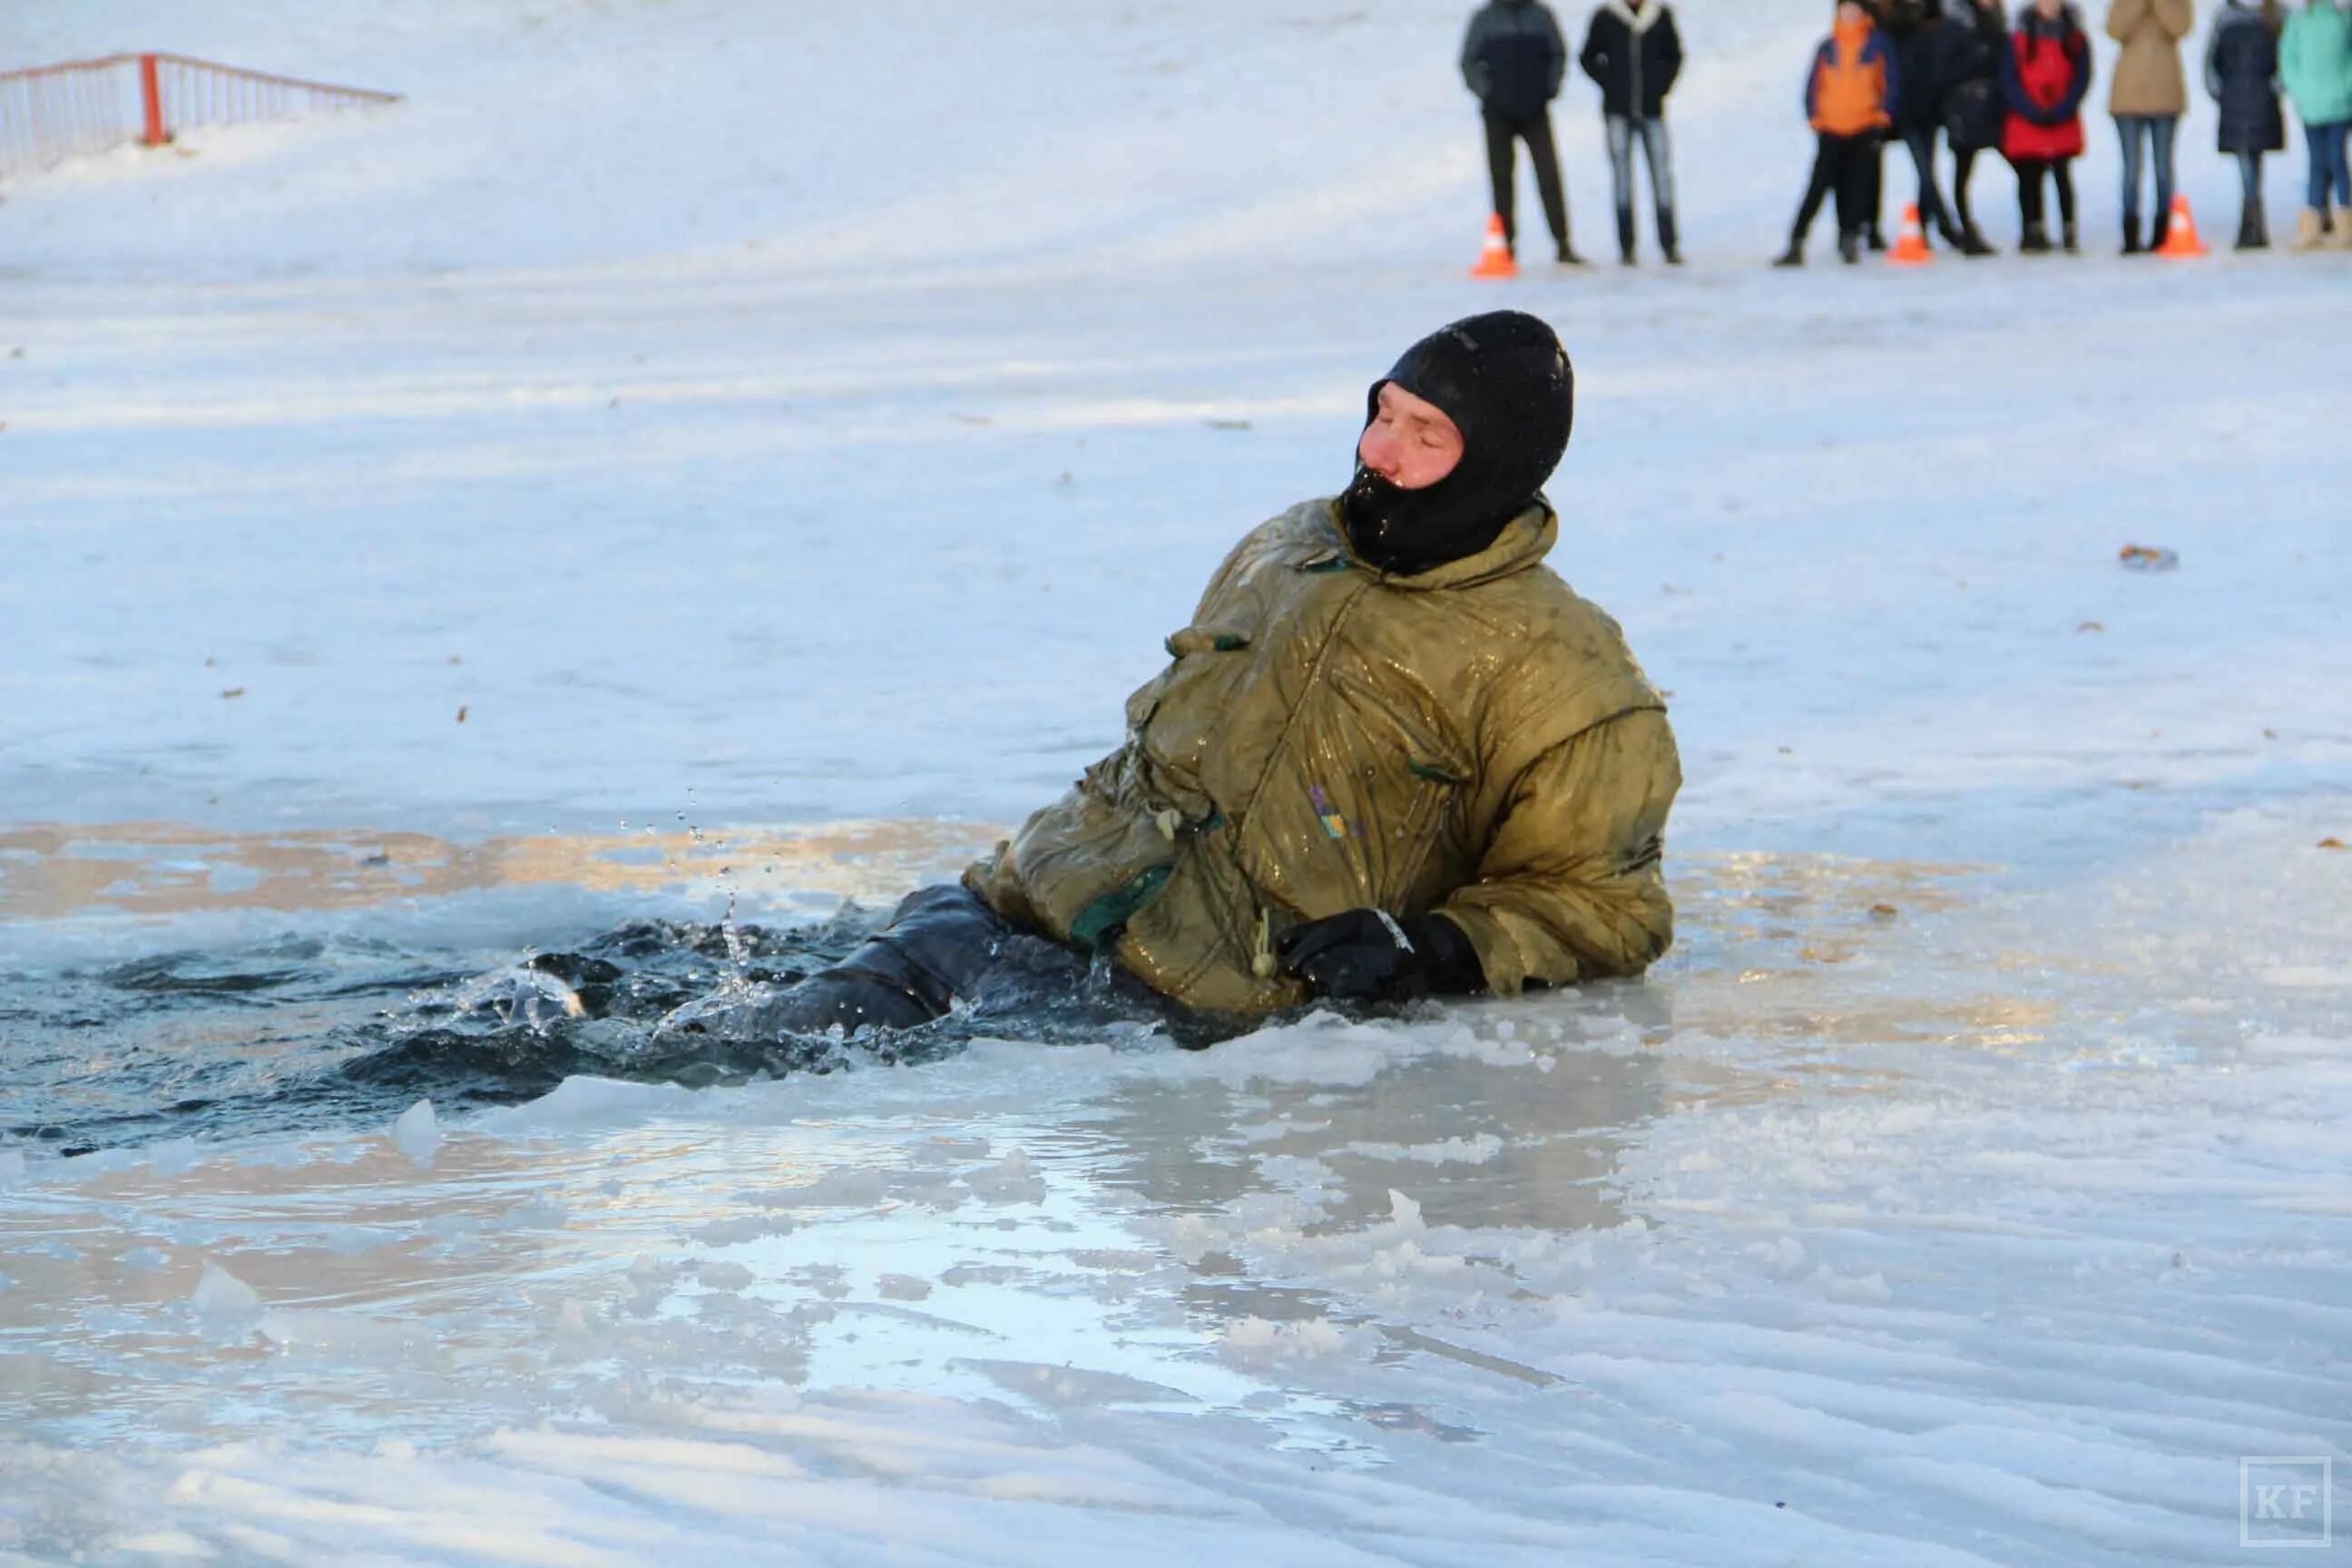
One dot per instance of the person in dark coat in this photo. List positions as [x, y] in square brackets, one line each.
[1968, 49]
[1514, 58]
[1914, 28]
[2241, 59]
[1633, 53]
[2044, 76]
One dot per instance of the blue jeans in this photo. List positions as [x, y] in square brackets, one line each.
[2140, 132]
[1657, 151]
[2328, 171]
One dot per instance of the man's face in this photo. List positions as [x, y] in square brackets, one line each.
[1851, 14]
[1410, 443]
[2050, 9]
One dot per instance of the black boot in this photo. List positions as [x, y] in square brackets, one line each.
[1794, 256]
[2162, 233]
[1877, 237]
[2131, 234]
[2036, 241]
[2073, 238]
[2255, 229]
[1974, 244]
[1669, 242]
[1568, 257]
[1625, 235]
[1849, 247]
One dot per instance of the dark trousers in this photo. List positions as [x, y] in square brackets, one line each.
[1921, 141]
[943, 945]
[1846, 167]
[1502, 135]
[1964, 168]
[2029, 188]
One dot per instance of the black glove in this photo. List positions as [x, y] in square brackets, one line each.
[1368, 954]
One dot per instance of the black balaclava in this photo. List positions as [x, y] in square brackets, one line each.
[1503, 379]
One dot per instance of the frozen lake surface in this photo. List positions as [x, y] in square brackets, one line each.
[422, 562]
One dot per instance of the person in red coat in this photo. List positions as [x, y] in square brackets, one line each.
[2045, 77]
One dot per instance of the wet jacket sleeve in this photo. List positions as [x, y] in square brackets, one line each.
[1570, 886]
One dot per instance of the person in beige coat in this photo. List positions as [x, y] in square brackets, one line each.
[2149, 95]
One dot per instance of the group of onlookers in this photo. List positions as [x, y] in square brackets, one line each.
[1965, 71]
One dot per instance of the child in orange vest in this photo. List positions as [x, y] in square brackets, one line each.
[1850, 97]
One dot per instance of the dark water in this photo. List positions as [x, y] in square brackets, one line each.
[305, 1034]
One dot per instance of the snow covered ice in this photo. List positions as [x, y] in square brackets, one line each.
[785, 438]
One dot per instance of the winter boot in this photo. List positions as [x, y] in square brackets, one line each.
[2249, 228]
[1669, 241]
[2131, 234]
[2036, 241]
[1792, 257]
[2341, 237]
[2073, 238]
[2163, 231]
[1974, 244]
[1877, 237]
[1568, 257]
[1849, 247]
[2310, 230]
[1625, 235]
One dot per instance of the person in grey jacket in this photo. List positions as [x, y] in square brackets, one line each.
[1633, 53]
[1513, 59]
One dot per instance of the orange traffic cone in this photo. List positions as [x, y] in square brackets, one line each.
[2180, 234]
[1495, 261]
[1911, 245]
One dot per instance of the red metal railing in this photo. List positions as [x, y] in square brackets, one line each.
[50, 113]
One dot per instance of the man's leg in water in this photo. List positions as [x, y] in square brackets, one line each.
[940, 945]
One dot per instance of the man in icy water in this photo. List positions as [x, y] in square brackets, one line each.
[1393, 755]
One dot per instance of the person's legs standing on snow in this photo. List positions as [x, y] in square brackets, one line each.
[2164, 133]
[1857, 194]
[2062, 172]
[1502, 174]
[1822, 181]
[1544, 153]
[2132, 131]
[2338, 147]
[2033, 231]
[1658, 152]
[1933, 213]
[1621, 181]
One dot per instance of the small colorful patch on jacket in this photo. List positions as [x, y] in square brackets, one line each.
[1334, 824]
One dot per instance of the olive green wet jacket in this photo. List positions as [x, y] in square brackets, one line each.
[1474, 740]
